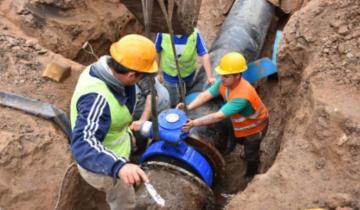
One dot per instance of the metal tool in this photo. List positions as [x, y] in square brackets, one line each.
[157, 198]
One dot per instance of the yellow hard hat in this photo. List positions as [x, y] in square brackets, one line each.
[135, 52]
[231, 63]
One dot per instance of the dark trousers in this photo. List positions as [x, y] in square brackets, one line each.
[251, 147]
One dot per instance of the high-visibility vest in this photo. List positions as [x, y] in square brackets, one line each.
[117, 138]
[245, 126]
[187, 60]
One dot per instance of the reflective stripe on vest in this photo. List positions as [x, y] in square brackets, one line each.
[250, 126]
[187, 60]
[117, 139]
[245, 126]
[253, 116]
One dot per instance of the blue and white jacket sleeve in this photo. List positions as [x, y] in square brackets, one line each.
[92, 124]
[200, 45]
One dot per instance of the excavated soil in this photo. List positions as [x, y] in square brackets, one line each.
[314, 104]
[317, 99]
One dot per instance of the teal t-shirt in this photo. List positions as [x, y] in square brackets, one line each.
[235, 106]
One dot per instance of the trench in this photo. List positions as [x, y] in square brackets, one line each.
[253, 37]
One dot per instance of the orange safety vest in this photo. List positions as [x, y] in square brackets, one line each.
[246, 126]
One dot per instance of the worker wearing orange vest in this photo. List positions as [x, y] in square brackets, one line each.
[248, 114]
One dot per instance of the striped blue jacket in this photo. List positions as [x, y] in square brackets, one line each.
[92, 124]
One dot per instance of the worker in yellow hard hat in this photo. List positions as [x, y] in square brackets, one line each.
[248, 114]
[101, 109]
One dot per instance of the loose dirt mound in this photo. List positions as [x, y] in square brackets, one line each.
[34, 154]
[64, 26]
[318, 163]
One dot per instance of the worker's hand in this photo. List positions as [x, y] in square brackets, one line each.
[188, 125]
[132, 174]
[181, 106]
[136, 125]
[160, 77]
[211, 80]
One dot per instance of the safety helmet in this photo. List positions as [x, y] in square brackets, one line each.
[135, 52]
[231, 63]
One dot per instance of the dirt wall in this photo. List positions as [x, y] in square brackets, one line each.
[318, 163]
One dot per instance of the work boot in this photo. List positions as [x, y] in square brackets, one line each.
[230, 147]
[252, 168]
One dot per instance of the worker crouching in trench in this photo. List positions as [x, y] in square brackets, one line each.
[101, 108]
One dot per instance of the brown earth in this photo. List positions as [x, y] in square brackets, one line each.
[318, 101]
[289, 6]
[313, 107]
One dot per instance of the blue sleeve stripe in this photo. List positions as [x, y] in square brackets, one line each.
[93, 118]
[202, 43]
[93, 125]
[158, 41]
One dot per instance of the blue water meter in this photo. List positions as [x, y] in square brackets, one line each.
[170, 126]
[171, 144]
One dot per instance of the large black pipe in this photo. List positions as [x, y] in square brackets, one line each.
[244, 31]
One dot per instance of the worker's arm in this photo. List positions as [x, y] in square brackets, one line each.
[232, 107]
[145, 116]
[205, 96]
[158, 47]
[198, 101]
[160, 74]
[203, 53]
[207, 66]
[91, 127]
[205, 120]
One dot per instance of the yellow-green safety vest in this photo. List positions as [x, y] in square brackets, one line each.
[187, 60]
[117, 138]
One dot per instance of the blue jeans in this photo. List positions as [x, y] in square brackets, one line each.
[197, 84]
[174, 92]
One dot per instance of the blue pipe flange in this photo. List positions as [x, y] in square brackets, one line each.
[189, 156]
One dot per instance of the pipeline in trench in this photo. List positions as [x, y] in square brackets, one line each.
[188, 183]
[192, 183]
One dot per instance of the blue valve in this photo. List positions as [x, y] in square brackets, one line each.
[170, 126]
[172, 143]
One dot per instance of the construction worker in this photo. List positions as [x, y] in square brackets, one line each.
[101, 109]
[142, 110]
[187, 48]
[249, 116]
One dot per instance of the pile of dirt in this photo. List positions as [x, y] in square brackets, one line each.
[64, 26]
[289, 6]
[212, 15]
[318, 101]
[34, 152]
